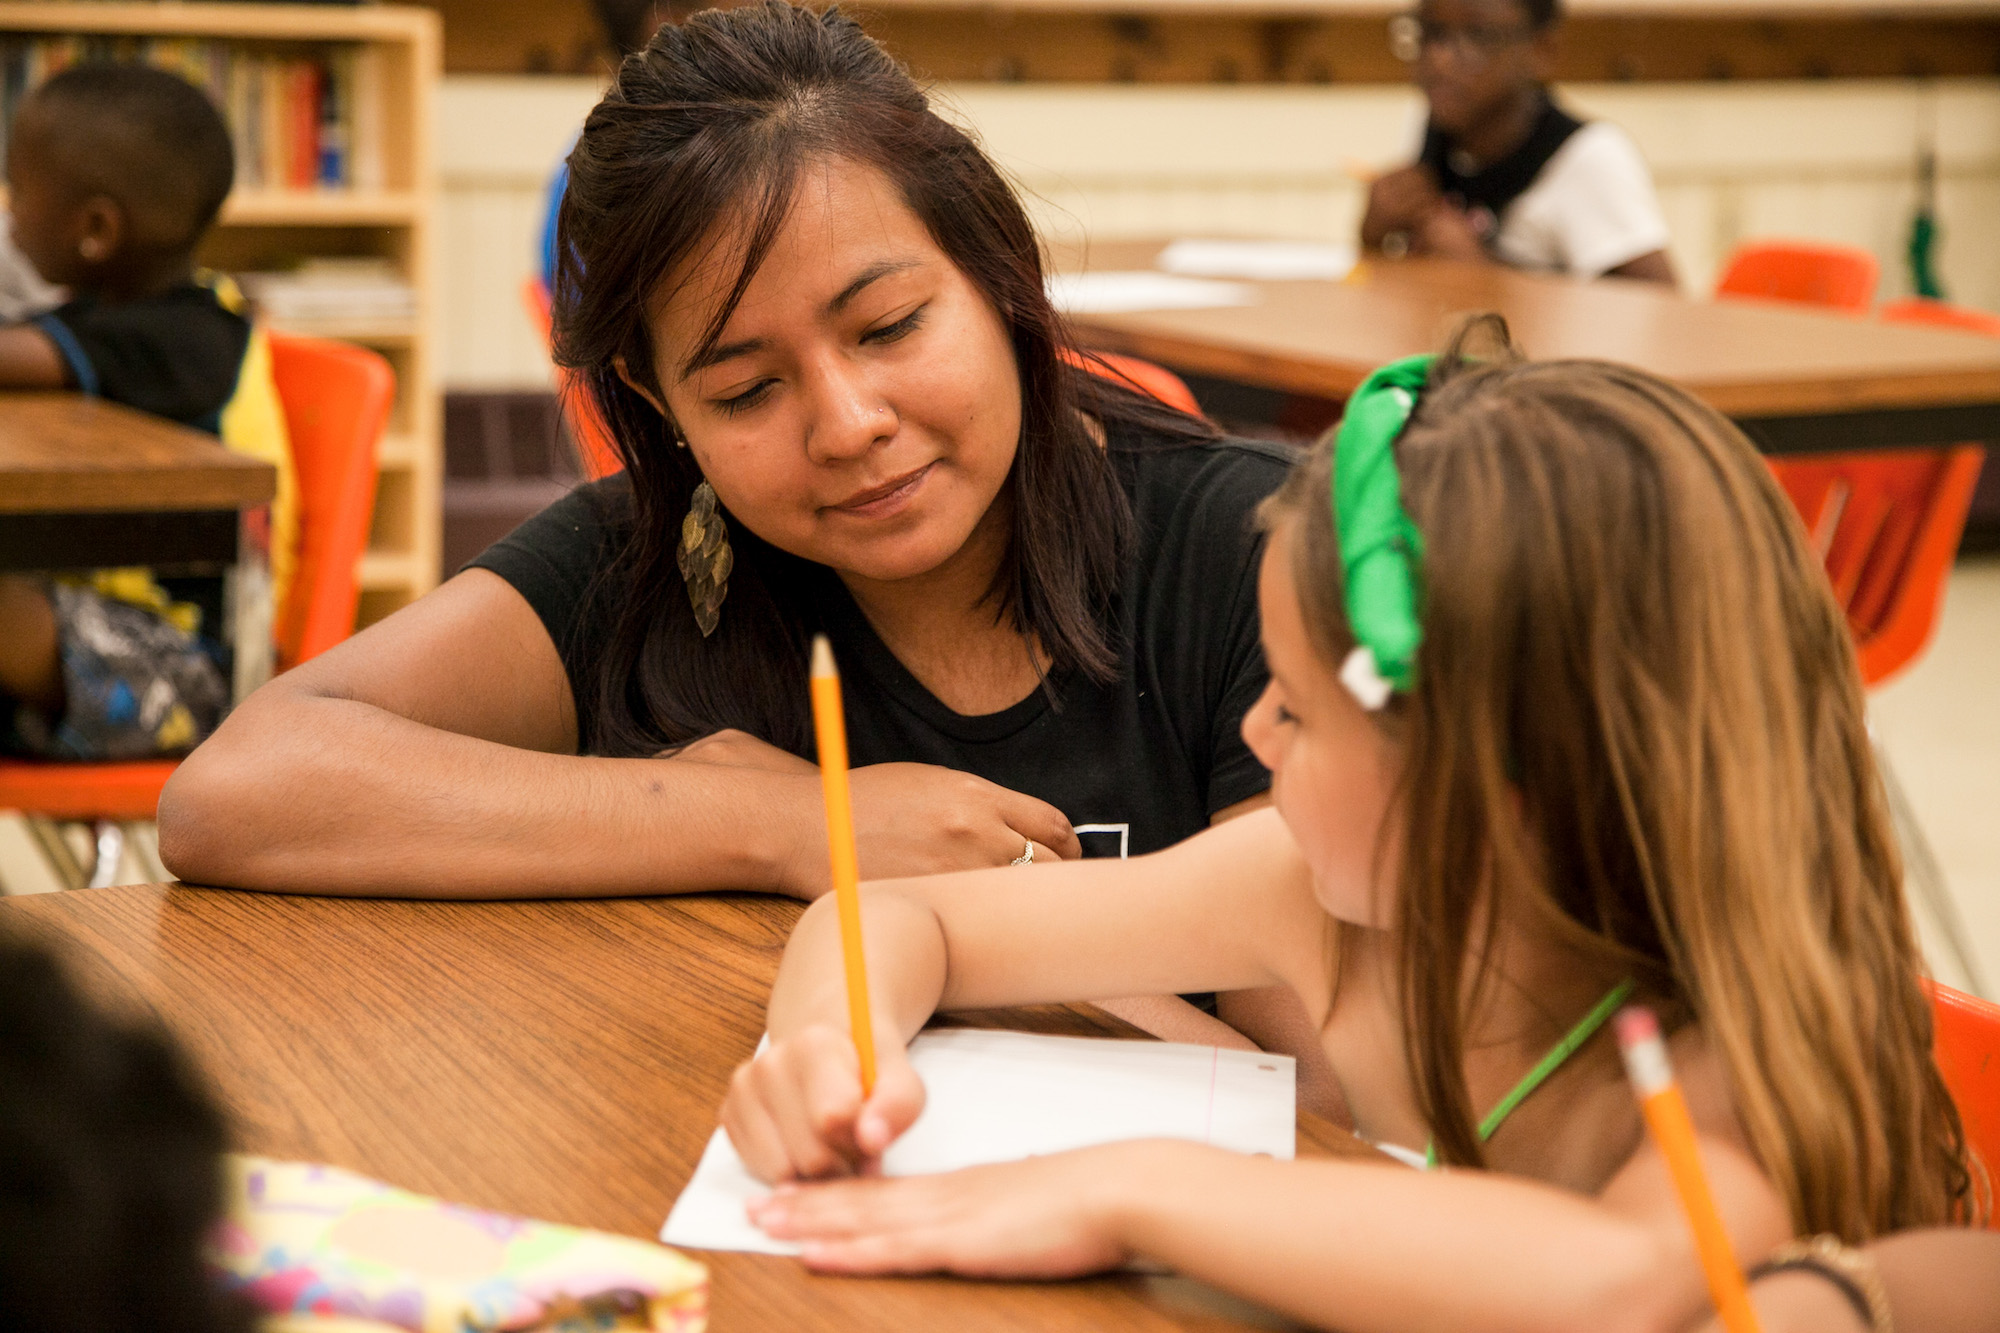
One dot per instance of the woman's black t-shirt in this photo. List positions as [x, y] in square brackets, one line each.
[1135, 765]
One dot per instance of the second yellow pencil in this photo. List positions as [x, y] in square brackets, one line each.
[1672, 1127]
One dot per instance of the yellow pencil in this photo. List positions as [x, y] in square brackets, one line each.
[830, 722]
[1673, 1130]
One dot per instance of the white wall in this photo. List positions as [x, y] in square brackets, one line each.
[1831, 160]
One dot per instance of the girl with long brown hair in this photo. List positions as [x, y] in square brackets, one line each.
[1562, 715]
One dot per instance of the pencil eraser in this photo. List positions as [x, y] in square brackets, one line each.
[1635, 1023]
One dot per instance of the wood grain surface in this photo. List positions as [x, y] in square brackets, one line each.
[65, 453]
[558, 1059]
[1746, 358]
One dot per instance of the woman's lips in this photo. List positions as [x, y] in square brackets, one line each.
[887, 499]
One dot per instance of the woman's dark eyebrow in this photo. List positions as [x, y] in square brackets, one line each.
[876, 271]
[873, 273]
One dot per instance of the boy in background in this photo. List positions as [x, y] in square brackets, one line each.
[1505, 175]
[116, 173]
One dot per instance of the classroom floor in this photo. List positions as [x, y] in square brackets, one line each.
[1940, 725]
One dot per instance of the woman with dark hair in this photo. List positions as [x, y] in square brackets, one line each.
[812, 314]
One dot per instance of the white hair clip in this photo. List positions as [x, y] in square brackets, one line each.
[1363, 680]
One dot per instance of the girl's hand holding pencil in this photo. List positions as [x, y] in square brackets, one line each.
[820, 1101]
[797, 1112]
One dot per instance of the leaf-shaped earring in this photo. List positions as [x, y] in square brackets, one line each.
[705, 558]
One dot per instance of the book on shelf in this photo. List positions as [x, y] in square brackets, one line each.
[300, 118]
[332, 290]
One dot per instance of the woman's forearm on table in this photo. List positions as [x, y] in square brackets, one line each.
[314, 794]
[1364, 1247]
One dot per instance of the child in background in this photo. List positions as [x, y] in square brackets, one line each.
[1505, 175]
[1562, 715]
[110, 1167]
[116, 173]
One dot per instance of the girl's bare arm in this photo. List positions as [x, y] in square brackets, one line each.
[1231, 907]
[1338, 1244]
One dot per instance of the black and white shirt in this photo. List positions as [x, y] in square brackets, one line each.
[1135, 765]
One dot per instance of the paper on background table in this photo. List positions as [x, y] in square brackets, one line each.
[1002, 1096]
[1118, 291]
[1264, 261]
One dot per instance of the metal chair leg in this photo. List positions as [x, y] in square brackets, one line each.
[1925, 878]
[110, 851]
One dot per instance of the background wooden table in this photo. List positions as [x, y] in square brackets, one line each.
[65, 453]
[1795, 379]
[89, 484]
[559, 1059]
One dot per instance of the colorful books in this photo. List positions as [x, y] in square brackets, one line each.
[301, 118]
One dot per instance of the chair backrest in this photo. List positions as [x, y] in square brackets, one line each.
[1966, 1042]
[336, 398]
[1940, 315]
[594, 451]
[1887, 525]
[1840, 277]
[1156, 381]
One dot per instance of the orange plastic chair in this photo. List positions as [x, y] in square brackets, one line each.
[1153, 380]
[336, 400]
[1887, 525]
[1940, 315]
[595, 452]
[1839, 276]
[1966, 1041]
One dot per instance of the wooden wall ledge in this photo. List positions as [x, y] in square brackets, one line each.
[1304, 41]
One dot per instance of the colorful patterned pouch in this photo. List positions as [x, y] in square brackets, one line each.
[315, 1240]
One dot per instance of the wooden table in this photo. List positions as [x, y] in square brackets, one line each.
[558, 1059]
[90, 484]
[1796, 380]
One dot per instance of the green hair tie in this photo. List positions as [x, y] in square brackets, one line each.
[1381, 551]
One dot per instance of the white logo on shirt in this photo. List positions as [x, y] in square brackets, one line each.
[1123, 832]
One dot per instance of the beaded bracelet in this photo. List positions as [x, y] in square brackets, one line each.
[1850, 1270]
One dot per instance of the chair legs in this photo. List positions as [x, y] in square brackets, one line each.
[1924, 880]
[110, 841]
[40, 855]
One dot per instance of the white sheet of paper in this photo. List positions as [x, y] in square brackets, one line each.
[1002, 1096]
[1265, 261]
[1120, 291]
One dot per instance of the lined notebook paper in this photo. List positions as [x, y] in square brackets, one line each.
[1002, 1096]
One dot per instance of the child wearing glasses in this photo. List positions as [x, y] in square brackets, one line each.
[1504, 174]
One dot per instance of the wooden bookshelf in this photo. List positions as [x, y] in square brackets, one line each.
[273, 227]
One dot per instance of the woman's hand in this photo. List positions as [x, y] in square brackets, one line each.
[919, 819]
[796, 1111]
[909, 819]
[1046, 1217]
